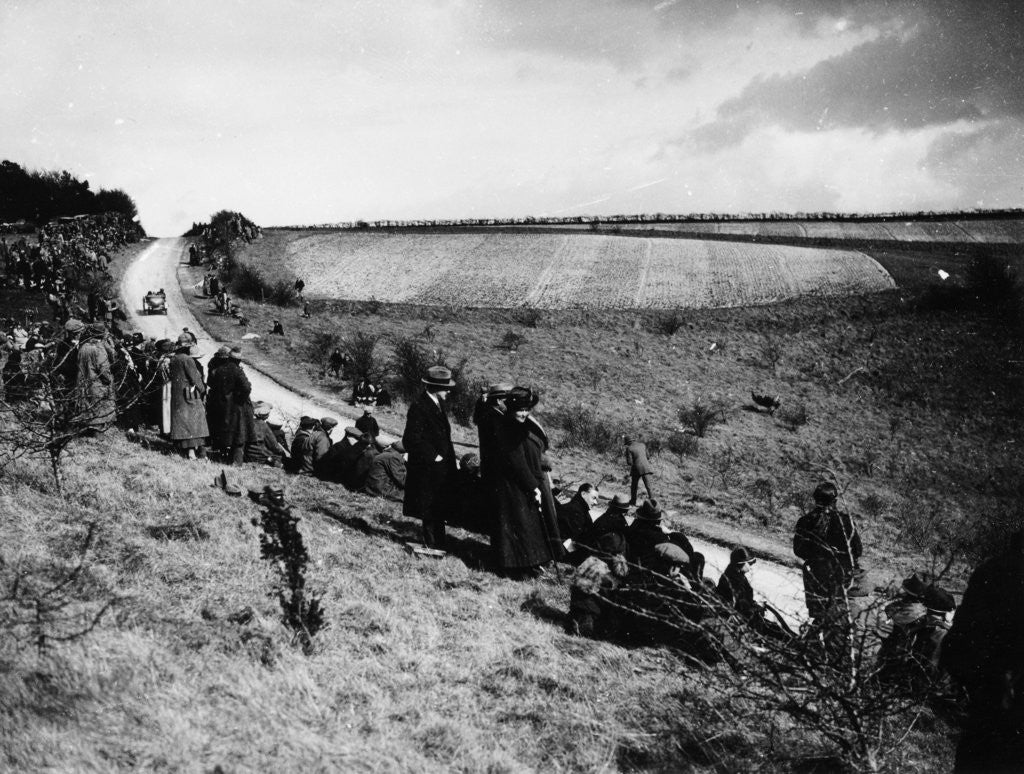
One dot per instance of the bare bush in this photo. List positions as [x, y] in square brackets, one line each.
[682, 444]
[769, 351]
[701, 416]
[511, 341]
[527, 316]
[409, 363]
[362, 348]
[585, 429]
[668, 323]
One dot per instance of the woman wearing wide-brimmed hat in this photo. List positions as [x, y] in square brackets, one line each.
[188, 415]
[430, 477]
[524, 534]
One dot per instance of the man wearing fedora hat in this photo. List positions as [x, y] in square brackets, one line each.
[431, 468]
[612, 521]
[646, 533]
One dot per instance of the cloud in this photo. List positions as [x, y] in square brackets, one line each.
[962, 62]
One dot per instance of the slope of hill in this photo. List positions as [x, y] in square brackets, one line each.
[550, 271]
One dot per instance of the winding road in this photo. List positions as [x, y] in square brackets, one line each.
[157, 267]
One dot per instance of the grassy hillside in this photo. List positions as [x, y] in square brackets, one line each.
[912, 398]
[426, 665]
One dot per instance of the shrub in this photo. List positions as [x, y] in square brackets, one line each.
[992, 282]
[282, 546]
[584, 429]
[511, 341]
[792, 416]
[321, 344]
[527, 316]
[769, 351]
[410, 362]
[362, 350]
[700, 416]
[249, 282]
[682, 444]
[463, 398]
[668, 323]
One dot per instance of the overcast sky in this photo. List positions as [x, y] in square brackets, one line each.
[310, 112]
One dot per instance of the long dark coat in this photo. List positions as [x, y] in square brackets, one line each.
[188, 416]
[524, 534]
[97, 407]
[229, 404]
[429, 482]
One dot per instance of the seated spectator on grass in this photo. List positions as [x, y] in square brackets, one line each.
[735, 590]
[308, 447]
[347, 462]
[574, 516]
[386, 477]
[264, 448]
[613, 520]
[647, 532]
[368, 425]
[327, 425]
[277, 329]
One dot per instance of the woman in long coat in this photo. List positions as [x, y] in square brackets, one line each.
[95, 383]
[230, 400]
[188, 415]
[524, 534]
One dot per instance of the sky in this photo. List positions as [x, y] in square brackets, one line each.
[303, 112]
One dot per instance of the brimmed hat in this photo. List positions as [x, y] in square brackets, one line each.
[261, 408]
[327, 423]
[235, 353]
[740, 555]
[521, 398]
[74, 326]
[619, 503]
[399, 447]
[670, 555]
[184, 340]
[438, 378]
[499, 390]
[939, 600]
[353, 432]
[305, 423]
[650, 510]
[915, 585]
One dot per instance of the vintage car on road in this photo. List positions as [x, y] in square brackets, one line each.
[155, 303]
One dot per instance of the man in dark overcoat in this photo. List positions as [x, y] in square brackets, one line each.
[230, 391]
[984, 652]
[639, 467]
[431, 468]
[387, 474]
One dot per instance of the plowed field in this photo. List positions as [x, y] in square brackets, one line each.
[558, 271]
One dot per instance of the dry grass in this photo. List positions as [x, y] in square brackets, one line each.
[426, 665]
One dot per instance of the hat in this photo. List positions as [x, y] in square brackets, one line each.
[328, 423]
[222, 351]
[825, 493]
[499, 390]
[438, 378]
[235, 353]
[261, 408]
[74, 326]
[915, 585]
[521, 398]
[221, 482]
[305, 423]
[619, 503]
[184, 340]
[650, 510]
[96, 329]
[352, 432]
[164, 346]
[741, 555]
[611, 543]
[399, 447]
[669, 555]
[939, 600]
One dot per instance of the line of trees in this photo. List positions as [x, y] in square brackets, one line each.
[39, 196]
[661, 217]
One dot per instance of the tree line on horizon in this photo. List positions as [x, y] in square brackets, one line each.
[40, 195]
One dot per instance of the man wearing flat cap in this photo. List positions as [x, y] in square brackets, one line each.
[264, 449]
[309, 445]
[387, 474]
[431, 468]
[347, 462]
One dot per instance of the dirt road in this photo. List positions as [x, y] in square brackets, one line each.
[157, 267]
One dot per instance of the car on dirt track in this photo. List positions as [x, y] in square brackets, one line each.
[154, 303]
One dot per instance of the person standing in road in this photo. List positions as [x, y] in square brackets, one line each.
[639, 468]
[431, 468]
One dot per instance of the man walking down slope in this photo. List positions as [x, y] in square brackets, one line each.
[639, 468]
[431, 468]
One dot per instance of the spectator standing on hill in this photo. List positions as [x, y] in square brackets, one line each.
[524, 534]
[829, 545]
[188, 416]
[984, 652]
[639, 467]
[230, 390]
[95, 382]
[431, 467]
